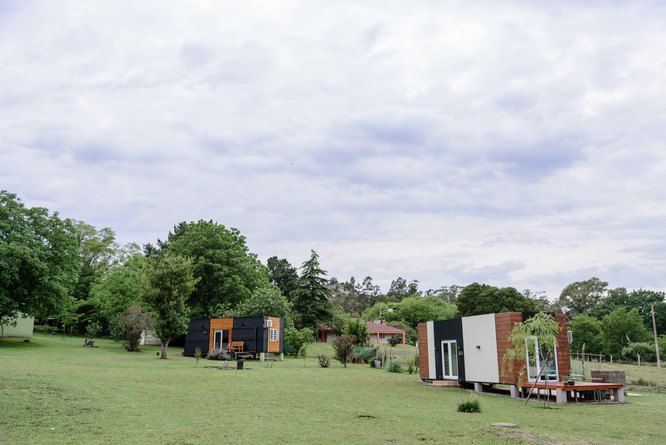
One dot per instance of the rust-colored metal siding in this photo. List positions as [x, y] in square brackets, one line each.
[504, 323]
[274, 346]
[423, 350]
[219, 324]
[563, 353]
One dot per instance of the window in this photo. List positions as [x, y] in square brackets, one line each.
[450, 358]
[274, 335]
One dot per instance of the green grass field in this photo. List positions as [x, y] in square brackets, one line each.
[53, 391]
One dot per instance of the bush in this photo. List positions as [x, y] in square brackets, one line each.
[413, 364]
[395, 340]
[363, 355]
[295, 339]
[470, 406]
[395, 366]
[646, 351]
[357, 328]
[130, 323]
[344, 348]
[324, 361]
[217, 354]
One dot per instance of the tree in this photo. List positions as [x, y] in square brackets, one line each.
[121, 285]
[587, 331]
[446, 293]
[477, 299]
[39, 262]
[640, 299]
[622, 327]
[538, 334]
[228, 273]
[295, 340]
[311, 298]
[582, 296]
[131, 323]
[344, 348]
[357, 329]
[265, 300]
[283, 275]
[170, 284]
[414, 310]
[400, 289]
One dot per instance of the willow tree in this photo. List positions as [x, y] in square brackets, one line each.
[535, 337]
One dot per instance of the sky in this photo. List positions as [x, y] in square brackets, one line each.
[509, 143]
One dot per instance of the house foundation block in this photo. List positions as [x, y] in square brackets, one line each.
[515, 393]
[618, 395]
[560, 396]
[478, 387]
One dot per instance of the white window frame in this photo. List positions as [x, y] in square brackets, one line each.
[273, 334]
[450, 349]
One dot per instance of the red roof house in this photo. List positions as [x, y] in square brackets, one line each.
[380, 332]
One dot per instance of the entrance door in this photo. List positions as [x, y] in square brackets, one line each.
[221, 339]
[450, 359]
[537, 357]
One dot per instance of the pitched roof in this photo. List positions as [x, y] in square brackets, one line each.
[376, 328]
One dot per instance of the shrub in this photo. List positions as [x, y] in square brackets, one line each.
[413, 364]
[324, 361]
[197, 354]
[92, 330]
[217, 354]
[395, 366]
[344, 347]
[130, 323]
[470, 406]
[646, 351]
[363, 355]
[295, 339]
[395, 340]
[357, 328]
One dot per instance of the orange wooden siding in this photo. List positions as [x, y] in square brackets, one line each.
[274, 346]
[217, 324]
[423, 350]
[504, 323]
[563, 354]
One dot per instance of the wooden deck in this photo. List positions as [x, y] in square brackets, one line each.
[580, 390]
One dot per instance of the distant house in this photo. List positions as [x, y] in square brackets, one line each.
[378, 332]
[23, 328]
[381, 333]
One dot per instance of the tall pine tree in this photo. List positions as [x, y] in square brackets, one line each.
[311, 297]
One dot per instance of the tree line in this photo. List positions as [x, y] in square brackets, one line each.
[55, 267]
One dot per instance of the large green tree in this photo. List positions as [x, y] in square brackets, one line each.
[39, 262]
[622, 327]
[228, 273]
[587, 331]
[265, 300]
[170, 284]
[283, 275]
[414, 310]
[477, 299]
[581, 296]
[311, 298]
[121, 285]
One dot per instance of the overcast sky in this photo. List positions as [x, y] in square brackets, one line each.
[508, 143]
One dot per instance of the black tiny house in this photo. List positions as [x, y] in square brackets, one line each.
[252, 335]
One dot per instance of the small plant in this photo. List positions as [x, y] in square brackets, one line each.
[470, 406]
[197, 354]
[413, 365]
[363, 354]
[216, 354]
[395, 366]
[324, 361]
[344, 347]
[92, 330]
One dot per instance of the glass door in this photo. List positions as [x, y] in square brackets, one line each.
[221, 339]
[450, 359]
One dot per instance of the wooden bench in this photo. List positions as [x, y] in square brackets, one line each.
[236, 346]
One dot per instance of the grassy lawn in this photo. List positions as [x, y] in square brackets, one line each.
[54, 391]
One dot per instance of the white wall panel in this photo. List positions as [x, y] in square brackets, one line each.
[480, 349]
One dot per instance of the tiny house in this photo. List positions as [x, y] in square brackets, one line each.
[471, 350]
[251, 335]
[21, 327]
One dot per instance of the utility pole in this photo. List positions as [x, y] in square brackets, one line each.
[656, 339]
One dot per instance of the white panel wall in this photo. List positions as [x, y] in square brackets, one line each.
[23, 328]
[432, 373]
[480, 344]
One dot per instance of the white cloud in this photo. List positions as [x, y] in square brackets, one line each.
[513, 144]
